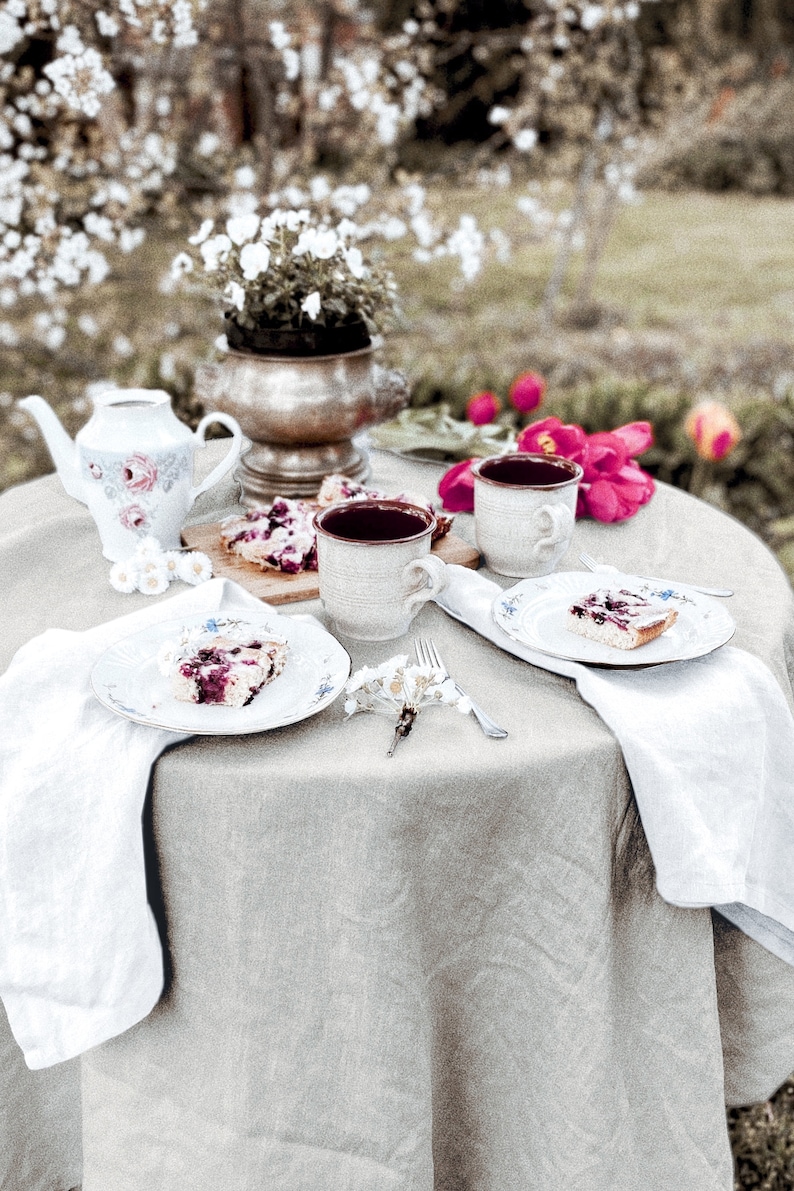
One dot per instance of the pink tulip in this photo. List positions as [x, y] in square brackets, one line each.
[637, 436]
[713, 429]
[483, 408]
[617, 495]
[526, 392]
[614, 486]
[456, 488]
[551, 437]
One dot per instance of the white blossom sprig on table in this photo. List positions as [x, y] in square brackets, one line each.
[402, 688]
[151, 569]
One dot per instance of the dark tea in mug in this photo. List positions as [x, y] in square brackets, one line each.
[374, 566]
[374, 521]
[528, 471]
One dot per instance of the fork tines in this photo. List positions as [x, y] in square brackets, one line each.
[427, 654]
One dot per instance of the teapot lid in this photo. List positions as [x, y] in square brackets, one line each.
[132, 397]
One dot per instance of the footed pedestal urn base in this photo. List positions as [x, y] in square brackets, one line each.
[301, 414]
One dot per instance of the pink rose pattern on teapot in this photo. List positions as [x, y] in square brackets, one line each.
[139, 473]
[133, 482]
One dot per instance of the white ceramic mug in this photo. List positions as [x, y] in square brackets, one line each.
[374, 566]
[524, 511]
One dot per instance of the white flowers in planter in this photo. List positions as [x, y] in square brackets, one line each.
[311, 305]
[151, 569]
[254, 259]
[289, 268]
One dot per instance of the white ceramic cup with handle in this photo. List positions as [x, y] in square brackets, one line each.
[524, 511]
[374, 566]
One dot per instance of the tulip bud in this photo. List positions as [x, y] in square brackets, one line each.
[713, 429]
[456, 488]
[483, 408]
[526, 392]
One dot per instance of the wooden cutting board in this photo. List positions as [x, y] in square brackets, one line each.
[277, 588]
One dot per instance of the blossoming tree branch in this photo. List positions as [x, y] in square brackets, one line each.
[86, 155]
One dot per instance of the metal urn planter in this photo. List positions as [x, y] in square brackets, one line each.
[301, 414]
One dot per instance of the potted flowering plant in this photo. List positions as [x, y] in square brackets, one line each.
[293, 283]
[298, 375]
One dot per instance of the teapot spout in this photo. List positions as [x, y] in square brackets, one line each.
[60, 446]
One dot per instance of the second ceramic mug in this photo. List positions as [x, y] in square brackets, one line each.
[374, 565]
[524, 511]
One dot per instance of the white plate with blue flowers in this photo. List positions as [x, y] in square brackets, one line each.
[130, 680]
[534, 612]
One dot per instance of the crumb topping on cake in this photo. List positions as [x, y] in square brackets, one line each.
[338, 487]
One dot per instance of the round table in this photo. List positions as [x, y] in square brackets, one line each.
[445, 970]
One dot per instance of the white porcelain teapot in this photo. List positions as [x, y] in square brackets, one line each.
[132, 464]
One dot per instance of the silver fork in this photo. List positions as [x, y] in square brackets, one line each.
[428, 655]
[592, 565]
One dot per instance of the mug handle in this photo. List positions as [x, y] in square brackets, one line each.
[436, 571]
[561, 522]
[229, 459]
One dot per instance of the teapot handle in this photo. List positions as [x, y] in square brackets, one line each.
[229, 459]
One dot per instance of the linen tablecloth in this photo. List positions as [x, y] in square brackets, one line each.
[446, 970]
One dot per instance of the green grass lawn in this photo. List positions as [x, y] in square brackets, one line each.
[726, 263]
[687, 280]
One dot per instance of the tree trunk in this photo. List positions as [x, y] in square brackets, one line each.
[562, 260]
[600, 230]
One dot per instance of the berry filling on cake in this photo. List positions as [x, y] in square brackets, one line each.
[281, 536]
[619, 618]
[228, 669]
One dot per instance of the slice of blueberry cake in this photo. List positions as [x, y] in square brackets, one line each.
[227, 669]
[280, 537]
[619, 618]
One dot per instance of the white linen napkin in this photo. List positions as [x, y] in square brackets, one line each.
[80, 955]
[709, 747]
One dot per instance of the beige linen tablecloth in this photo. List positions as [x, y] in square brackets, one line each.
[448, 970]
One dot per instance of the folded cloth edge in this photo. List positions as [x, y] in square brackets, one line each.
[73, 1019]
[469, 596]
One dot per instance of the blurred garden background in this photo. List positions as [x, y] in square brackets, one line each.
[601, 194]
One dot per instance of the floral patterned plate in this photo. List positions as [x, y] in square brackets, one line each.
[534, 613]
[127, 678]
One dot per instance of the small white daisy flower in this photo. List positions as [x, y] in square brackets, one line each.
[148, 548]
[194, 567]
[154, 580]
[171, 560]
[124, 576]
[150, 566]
